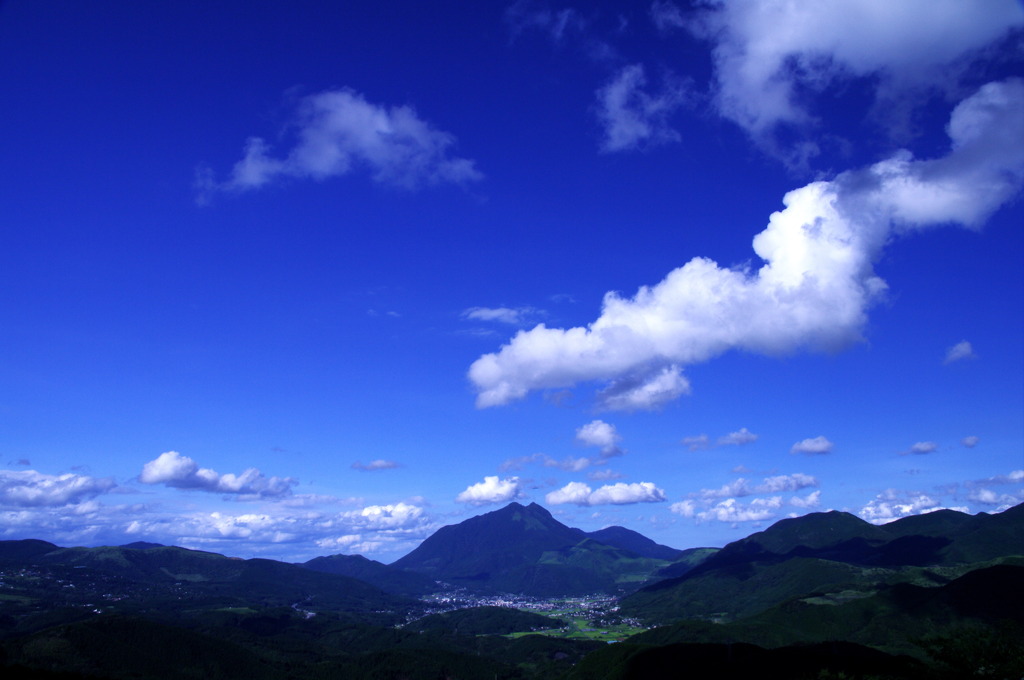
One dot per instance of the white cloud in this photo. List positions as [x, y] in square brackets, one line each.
[338, 132]
[793, 482]
[513, 316]
[738, 438]
[181, 472]
[892, 505]
[989, 497]
[776, 484]
[685, 508]
[604, 475]
[612, 494]
[971, 441]
[730, 510]
[813, 290]
[811, 500]
[491, 490]
[959, 351]
[375, 465]
[766, 51]
[633, 118]
[29, 488]
[573, 492]
[644, 392]
[602, 435]
[392, 517]
[813, 446]
[923, 448]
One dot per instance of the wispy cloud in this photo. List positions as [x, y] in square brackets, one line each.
[633, 117]
[375, 465]
[667, 16]
[812, 292]
[514, 316]
[771, 485]
[922, 448]
[338, 132]
[958, 352]
[557, 24]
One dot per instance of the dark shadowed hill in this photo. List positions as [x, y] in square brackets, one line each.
[201, 577]
[523, 549]
[627, 539]
[831, 552]
[388, 579]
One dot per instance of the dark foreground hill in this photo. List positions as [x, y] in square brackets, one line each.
[831, 554]
[129, 580]
[525, 550]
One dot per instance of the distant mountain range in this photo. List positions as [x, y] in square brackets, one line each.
[933, 596]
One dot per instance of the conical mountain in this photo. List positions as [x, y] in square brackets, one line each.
[512, 536]
[523, 549]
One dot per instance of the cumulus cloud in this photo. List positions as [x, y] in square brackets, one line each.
[634, 118]
[29, 488]
[766, 52]
[391, 517]
[811, 500]
[602, 435]
[644, 391]
[813, 446]
[891, 505]
[731, 510]
[491, 490]
[971, 441]
[181, 472]
[738, 438]
[958, 352]
[813, 290]
[339, 132]
[283, 531]
[620, 493]
[374, 465]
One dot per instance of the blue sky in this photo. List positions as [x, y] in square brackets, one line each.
[292, 279]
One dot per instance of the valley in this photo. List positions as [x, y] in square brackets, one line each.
[819, 596]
